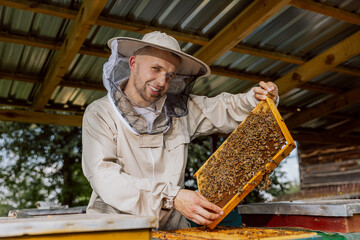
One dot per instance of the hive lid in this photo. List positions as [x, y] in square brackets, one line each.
[251, 152]
[327, 208]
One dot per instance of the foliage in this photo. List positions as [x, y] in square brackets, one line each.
[41, 163]
[199, 152]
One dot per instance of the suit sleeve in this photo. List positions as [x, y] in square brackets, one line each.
[221, 114]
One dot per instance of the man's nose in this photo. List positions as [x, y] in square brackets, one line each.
[162, 78]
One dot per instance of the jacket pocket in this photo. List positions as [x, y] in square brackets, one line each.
[177, 141]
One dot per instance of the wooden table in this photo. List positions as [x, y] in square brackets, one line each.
[79, 226]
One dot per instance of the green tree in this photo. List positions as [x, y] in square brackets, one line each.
[41, 163]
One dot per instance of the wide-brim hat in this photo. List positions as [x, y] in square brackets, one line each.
[189, 65]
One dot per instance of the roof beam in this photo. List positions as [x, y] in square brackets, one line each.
[37, 7]
[330, 58]
[214, 70]
[256, 79]
[345, 127]
[321, 138]
[328, 106]
[244, 24]
[48, 44]
[35, 79]
[40, 117]
[88, 13]
[136, 27]
[327, 10]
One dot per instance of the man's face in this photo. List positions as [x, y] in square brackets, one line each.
[151, 74]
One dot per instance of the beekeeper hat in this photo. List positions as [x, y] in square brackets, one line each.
[189, 65]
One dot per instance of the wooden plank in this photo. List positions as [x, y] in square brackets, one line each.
[324, 108]
[141, 234]
[345, 128]
[245, 23]
[318, 223]
[88, 13]
[321, 138]
[36, 79]
[330, 151]
[330, 58]
[327, 10]
[40, 8]
[238, 75]
[215, 70]
[256, 79]
[49, 44]
[277, 56]
[40, 117]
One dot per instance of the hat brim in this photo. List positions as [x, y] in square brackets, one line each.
[189, 65]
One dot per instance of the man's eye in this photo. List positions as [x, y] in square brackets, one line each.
[156, 69]
[170, 75]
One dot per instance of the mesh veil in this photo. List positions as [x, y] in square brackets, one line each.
[116, 72]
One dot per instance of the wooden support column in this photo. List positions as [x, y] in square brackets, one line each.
[332, 57]
[87, 16]
[40, 117]
[331, 105]
[244, 24]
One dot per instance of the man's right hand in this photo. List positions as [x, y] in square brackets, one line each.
[196, 207]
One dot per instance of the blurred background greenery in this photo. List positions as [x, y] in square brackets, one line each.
[43, 163]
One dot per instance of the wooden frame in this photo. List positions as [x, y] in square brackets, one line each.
[285, 151]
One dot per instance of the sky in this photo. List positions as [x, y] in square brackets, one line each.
[290, 165]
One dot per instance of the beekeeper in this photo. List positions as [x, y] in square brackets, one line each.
[135, 139]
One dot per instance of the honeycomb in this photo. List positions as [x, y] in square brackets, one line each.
[232, 233]
[247, 158]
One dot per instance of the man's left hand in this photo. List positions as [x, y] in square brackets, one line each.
[264, 88]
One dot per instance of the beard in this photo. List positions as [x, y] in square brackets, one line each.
[142, 89]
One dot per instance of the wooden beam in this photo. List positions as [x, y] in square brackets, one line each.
[48, 44]
[39, 117]
[322, 109]
[244, 24]
[88, 13]
[215, 70]
[318, 138]
[139, 28]
[320, 88]
[37, 7]
[327, 10]
[345, 128]
[238, 75]
[256, 79]
[330, 58]
[35, 79]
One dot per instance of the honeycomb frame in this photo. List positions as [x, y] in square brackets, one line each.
[270, 166]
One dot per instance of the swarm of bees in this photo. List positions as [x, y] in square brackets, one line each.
[244, 154]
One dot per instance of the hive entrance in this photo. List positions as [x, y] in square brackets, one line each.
[248, 156]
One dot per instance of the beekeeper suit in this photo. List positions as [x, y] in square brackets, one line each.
[135, 139]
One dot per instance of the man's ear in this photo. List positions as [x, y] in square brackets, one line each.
[132, 62]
